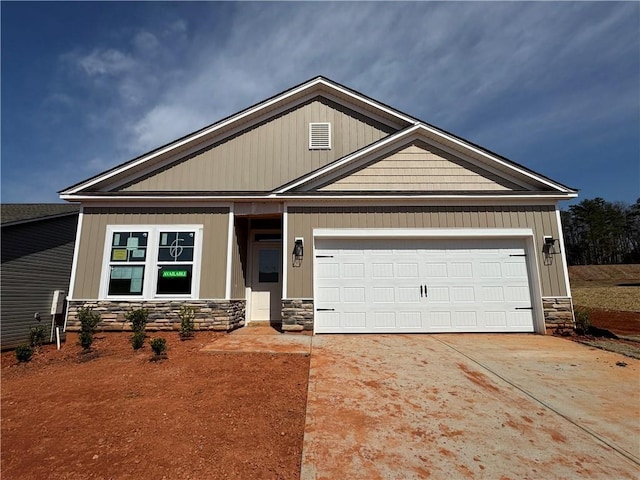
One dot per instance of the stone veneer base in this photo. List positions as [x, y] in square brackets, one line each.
[297, 314]
[558, 315]
[219, 315]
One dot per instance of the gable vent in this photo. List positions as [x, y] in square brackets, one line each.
[320, 136]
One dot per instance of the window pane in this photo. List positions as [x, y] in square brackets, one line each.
[174, 279]
[268, 266]
[126, 280]
[129, 247]
[176, 247]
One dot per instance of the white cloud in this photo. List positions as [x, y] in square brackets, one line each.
[106, 62]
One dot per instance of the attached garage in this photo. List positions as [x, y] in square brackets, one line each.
[409, 281]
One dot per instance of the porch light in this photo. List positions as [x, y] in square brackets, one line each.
[298, 251]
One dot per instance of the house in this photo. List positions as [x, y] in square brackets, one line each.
[325, 210]
[37, 253]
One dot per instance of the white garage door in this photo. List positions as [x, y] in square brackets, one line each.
[408, 285]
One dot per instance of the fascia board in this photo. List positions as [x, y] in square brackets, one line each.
[238, 118]
[317, 198]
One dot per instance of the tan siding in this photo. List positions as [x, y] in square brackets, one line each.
[268, 155]
[239, 259]
[421, 168]
[94, 224]
[541, 219]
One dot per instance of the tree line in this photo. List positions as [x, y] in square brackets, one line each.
[597, 232]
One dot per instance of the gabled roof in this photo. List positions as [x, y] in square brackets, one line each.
[17, 213]
[488, 160]
[406, 129]
[254, 114]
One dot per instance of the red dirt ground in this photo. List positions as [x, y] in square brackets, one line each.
[193, 416]
[620, 323]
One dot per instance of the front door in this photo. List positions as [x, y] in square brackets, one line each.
[266, 282]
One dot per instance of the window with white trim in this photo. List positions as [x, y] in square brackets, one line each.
[320, 136]
[154, 261]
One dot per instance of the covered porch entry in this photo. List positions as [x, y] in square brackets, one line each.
[258, 260]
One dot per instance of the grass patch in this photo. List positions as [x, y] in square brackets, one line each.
[625, 299]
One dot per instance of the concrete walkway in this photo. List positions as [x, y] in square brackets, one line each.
[469, 406]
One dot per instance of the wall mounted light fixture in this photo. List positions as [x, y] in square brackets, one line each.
[550, 247]
[298, 251]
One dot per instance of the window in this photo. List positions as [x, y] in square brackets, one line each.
[171, 251]
[126, 263]
[175, 263]
[320, 136]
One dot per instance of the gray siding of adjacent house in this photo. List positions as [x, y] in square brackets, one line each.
[541, 219]
[36, 260]
[269, 154]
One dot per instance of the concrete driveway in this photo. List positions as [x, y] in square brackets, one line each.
[469, 406]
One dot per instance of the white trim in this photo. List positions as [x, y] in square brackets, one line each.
[433, 233]
[150, 280]
[227, 294]
[237, 118]
[422, 232]
[563, 252]
[285, 255]
[76, 254]
[121, 201]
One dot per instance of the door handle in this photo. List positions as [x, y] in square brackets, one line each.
[426, 292]
[420, 291]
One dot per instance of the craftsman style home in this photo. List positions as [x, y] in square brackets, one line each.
[322, 209]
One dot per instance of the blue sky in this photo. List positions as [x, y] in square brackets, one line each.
[553, 86]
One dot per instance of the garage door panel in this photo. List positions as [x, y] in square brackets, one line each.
[374, 285]
[353, 270]
[383, 295]
[354, 295]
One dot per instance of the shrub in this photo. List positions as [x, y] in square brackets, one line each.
[24, 352]
[583, 320]
[187, 314]
[138, 319]
[158, 345]
[137, 340]
[88, 321]
[36, 336]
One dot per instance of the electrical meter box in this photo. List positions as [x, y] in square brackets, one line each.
[57, 303]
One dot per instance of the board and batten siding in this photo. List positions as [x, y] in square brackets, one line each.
[36, 260]
[302, 221]
[268, 155]
[92, 238]
[420, 167]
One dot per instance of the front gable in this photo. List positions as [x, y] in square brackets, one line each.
[265, 152]
[267, 155]
[420, 167]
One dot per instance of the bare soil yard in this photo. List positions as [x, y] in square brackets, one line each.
[611, 295]
[195, 415]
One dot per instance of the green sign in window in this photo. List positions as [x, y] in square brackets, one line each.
[174, 274]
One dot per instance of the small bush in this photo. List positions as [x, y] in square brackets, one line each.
[138, 319]
[137, 340]
[187, 315]
[24, 352]
[583, 320]
[158, 345]
[36, 336]
[88, 322]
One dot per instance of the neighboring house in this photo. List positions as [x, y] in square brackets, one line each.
[328, 211]
[37, 253]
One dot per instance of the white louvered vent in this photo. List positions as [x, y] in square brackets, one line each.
[320, 136]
